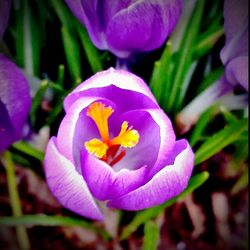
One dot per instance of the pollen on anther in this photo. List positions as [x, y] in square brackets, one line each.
[127, 137]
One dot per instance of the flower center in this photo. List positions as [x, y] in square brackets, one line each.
[108, 149]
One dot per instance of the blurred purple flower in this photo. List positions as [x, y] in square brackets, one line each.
[234, 57]
[14, 102]
[115, 144]
[130, 26]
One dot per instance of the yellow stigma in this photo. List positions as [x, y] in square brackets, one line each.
[108, 148]
[100, 114]
[126, 138]
[96, 147]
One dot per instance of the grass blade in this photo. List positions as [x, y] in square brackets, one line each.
[72, 53]
[90, 50]
[15, 202]
[160, 79]
[185, 55]
[202, 123]
[220, 140]
[151, 236]
[28, 149]
[36, 102]
[50, 220]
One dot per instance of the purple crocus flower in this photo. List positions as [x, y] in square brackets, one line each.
[15, 102]
[115, 145]
[129, 26]
[234, 57]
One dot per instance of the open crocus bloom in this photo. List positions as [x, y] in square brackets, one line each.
[126, 27]
[116, 145]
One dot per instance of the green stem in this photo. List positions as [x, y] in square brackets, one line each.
[61, 73]
[15, 202]
[51, 220]
[28, 149]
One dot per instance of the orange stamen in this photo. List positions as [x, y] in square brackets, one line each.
[127, 138]
[100, 114]
[106, 149]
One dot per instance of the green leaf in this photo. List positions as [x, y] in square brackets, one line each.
[207, 40]
[72, 53]
[50, 220]
[29, 34]
[90, 50]
[151, 236]
[57, 109]
[28, 149]
[211, 78]
[160, 79]
[241, 148]
[15, 201]
[61, 73]
[63, 13]
[36, 102]
[146, 215]
[220, 140]
[202, 124]
[228, 116]
[184, 59]
[241, 183]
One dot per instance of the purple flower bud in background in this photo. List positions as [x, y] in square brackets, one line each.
[15, 102]
[130, 26]
[116, 145]
[234, 55]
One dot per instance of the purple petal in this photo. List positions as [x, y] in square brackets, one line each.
[167, 183]
[14, 95]
[156, 141]
[143, 26]
[7, 132]
[86, 12]
[145, 153]
[236, 29]
[237, 71]
[68, 185]
[167, 137]
[104, 183]
[66, 130]
[127, 26]
[118, 78]
[4, 15]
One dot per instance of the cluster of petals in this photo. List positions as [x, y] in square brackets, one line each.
[114, 113]
[127, 27]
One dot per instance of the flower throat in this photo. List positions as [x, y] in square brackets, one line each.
[107, 149]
